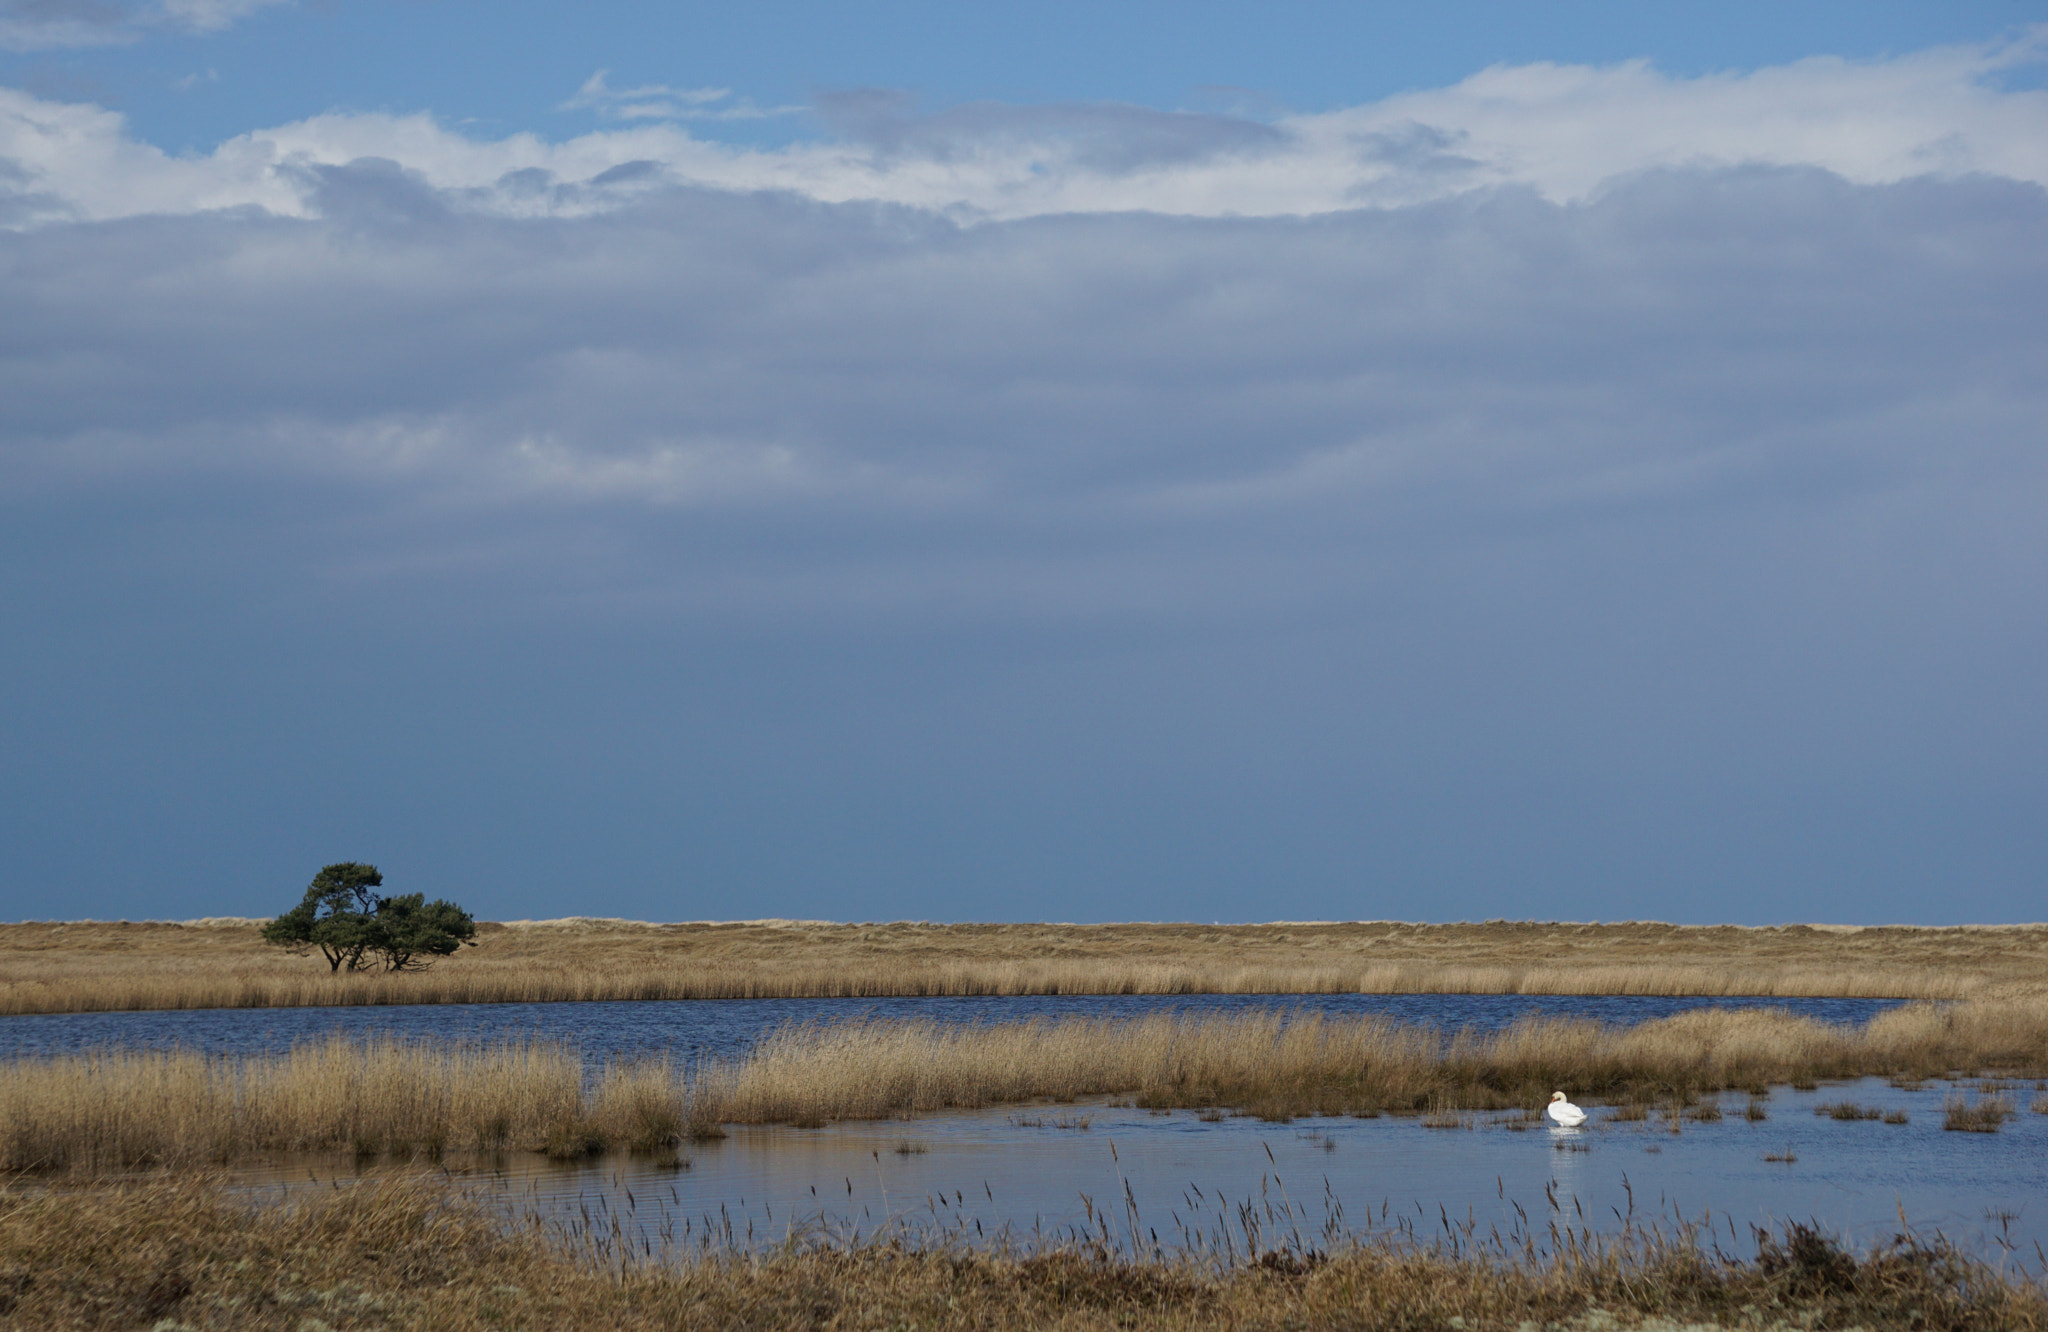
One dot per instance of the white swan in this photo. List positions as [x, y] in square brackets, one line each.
[1563, 1112]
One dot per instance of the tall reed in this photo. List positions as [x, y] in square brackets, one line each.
[118, 1109]
[114, 1110]
[1287, 1064]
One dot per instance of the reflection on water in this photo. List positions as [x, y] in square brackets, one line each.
[1186, 1180]
[722, 1028]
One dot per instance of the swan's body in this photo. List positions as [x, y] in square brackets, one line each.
[1563, 1112]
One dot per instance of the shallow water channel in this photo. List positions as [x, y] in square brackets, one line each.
[1061, 1171]
[1211, 1183]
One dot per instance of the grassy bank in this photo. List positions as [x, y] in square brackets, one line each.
[419, 1255]
[86, 966]
[117, 1110]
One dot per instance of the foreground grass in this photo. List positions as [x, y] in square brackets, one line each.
[187, 1255]
[121, 1109]
[87, 966]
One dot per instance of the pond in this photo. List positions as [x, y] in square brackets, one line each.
[1051, 1171]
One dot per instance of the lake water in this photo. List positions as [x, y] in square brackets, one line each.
[723, 1028]
[1037, 1171]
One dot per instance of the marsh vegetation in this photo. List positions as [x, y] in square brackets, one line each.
[1981, 1114]
[118, 1109]
[86, 966]
[1278, 1065]
[81, 1247]
[421, 1254]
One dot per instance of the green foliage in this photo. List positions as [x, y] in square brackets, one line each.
[416, 931]
[358, 929]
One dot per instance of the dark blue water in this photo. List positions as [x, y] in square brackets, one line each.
[723, 1028]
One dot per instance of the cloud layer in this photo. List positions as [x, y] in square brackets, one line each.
[1687, 335]
[1575, 425]
[1543, 282]
[1562, 131]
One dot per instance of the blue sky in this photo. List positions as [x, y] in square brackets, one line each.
[986, 463]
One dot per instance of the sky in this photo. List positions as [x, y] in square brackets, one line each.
[1062, 462]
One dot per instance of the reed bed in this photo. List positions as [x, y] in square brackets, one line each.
[50, 967]
[116, 1110]
[1279, 1065]
[420, 1253]
[286, 983]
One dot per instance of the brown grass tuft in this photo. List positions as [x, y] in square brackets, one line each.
[1986, 1114]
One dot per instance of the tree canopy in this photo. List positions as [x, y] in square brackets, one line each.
[356, 928]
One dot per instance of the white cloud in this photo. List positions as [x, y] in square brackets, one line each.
[212, 15]
[658, 101]
[1562, 131]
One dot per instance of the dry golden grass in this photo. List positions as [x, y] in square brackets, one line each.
[124, 1109]
[86, 966]
[1275, 1065]
[418, 1254]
